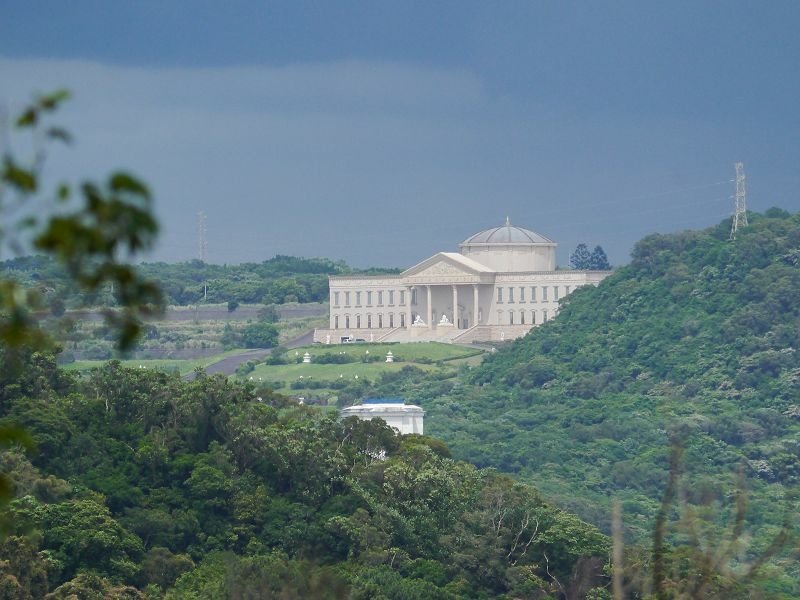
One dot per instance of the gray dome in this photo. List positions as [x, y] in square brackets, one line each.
[507, 234]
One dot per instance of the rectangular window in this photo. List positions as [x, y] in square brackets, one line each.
[358, 298]
[336, 298]
[336, 322]
[391, 297]
[511, 295]
[380, 298]
[358, 321]
[391, 319]
[544, 294]
[414, 298]
[521, 294]
[499, 295]
[369, 298]
[402, 318]
[533, 293]
[555, 292]
[369, 321]
[380, 321]
[511, 317]
[402, 297]
[347, 299]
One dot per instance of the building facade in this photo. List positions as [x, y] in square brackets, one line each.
[406, 418]
[502, 283]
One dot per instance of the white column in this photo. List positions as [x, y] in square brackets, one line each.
[474, 304]
[430, 307]
[455, 306]
[409, 291]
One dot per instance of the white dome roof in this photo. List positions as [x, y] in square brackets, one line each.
[507, 234]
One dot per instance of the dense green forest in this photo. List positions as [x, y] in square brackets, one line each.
[213, 489]
[694, 343]
[275, 281]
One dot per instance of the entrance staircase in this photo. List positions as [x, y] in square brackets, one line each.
[476, 332]
[445, 335]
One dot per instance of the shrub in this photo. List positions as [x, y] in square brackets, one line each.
[260, 335]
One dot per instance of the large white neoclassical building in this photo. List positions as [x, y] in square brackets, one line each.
[502, 283]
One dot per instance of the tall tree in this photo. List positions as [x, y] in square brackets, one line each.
[580, 259]
[599, 261]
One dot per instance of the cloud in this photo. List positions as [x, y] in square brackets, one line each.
[376, 163]
[249, 144]
[380, 87]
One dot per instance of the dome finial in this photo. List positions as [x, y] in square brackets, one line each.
[508, 222]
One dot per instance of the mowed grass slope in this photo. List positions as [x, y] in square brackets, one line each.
[166, 364]
[297, 376]
[427, 356]
[415, 352]
[289, 373]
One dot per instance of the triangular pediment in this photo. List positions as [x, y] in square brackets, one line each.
[446, 265]
[442, 268]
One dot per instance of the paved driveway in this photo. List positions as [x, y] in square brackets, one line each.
[228, 365]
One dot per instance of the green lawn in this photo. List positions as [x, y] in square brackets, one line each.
[428, 353]
[289, 373]
[428, 356]
[425, 351]
[182, 366]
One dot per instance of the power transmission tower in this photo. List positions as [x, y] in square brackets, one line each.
[202, 236]
[740, 212]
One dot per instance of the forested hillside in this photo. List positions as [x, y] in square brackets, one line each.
[274, 281]
[694, 343]
[143, 485]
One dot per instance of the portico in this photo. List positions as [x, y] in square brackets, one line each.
[446, 289]
[458, 304]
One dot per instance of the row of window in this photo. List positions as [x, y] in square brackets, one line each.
[514, 319]
[545, 293]
[377, 322]
[521, 296]
[369, 296]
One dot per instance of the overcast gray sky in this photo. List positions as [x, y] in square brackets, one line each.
[382, 132]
